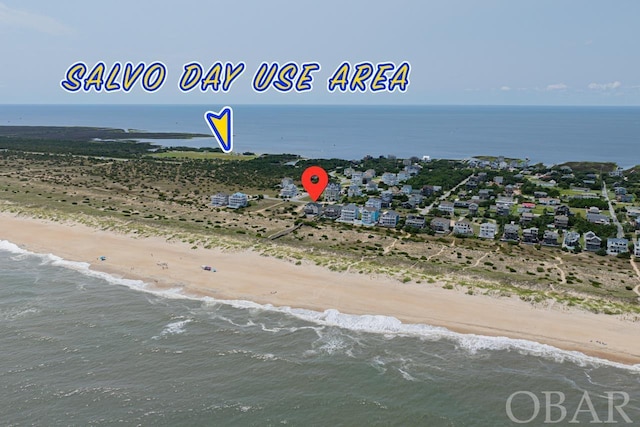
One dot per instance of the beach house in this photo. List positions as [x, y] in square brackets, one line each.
[286, 181]
[313, 209]
[488, 230]
[372, 187]
[526, 218]
[406, 189]
[238, 200]
[617, 246]
[592, 242]
[332, 211]
[369, 174]
[550, 238]
[530, 235]
[220, 199]
[374, 202]
[415, 221]
[511, 233]
[356, 178]
[503, 209]
[446, 207]
[562, 210]
[473, 209]
[288, 191]
[386, 197]
[349, 213]
[462, 228]
[403, 176]
[571, 240]
[369, 215]
[440, 225]
[389, 178]
[636, 251]
[561, 221]
[354, 191]
[332, 192]
[389, 219]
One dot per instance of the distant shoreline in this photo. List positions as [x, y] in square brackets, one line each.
[545, 134]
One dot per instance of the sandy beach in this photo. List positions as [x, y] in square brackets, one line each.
[249, 276]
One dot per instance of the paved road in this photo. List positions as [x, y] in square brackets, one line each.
[612, 211]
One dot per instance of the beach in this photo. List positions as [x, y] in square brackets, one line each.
[247, 275]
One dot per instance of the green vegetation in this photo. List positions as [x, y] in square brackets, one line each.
[445, 173]
[180, 154]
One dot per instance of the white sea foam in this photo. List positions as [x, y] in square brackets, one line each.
[379, 324]
[175, 328]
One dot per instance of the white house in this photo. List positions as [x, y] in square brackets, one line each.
[617, 246]
[289, 191]
[446, 207]
[354, 191]
[372, 186]
[220, 199]
[463, 228]
[389, 178]
[349, 213]
[356, 178]
[389, 219]
[407, 189]
[238, 200]
[374, 202]
[403, 176]
[488, 230]
[332, 192]
[636, 251]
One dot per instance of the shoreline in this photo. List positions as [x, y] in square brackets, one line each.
[280, 283]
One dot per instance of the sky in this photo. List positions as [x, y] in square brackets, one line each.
[462, 52]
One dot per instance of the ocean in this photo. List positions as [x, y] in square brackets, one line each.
[84, 348]
[549, 135]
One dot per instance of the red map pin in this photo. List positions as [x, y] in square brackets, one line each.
[314, 180]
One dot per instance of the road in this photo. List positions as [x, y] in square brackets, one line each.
[612, 211]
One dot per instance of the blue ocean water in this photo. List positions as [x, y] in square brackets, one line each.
[81, 348]
[544, 134]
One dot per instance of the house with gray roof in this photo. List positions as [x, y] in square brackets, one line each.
[440, 225]
[592, 242]
[511, 233]
[571, 240]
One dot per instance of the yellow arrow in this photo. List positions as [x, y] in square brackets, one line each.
[221, 125]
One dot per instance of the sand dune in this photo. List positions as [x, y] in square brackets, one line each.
[249, 276]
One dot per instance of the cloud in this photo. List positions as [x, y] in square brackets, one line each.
[605, 86]
[32, 21]
[505, 88]
[557, 86]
